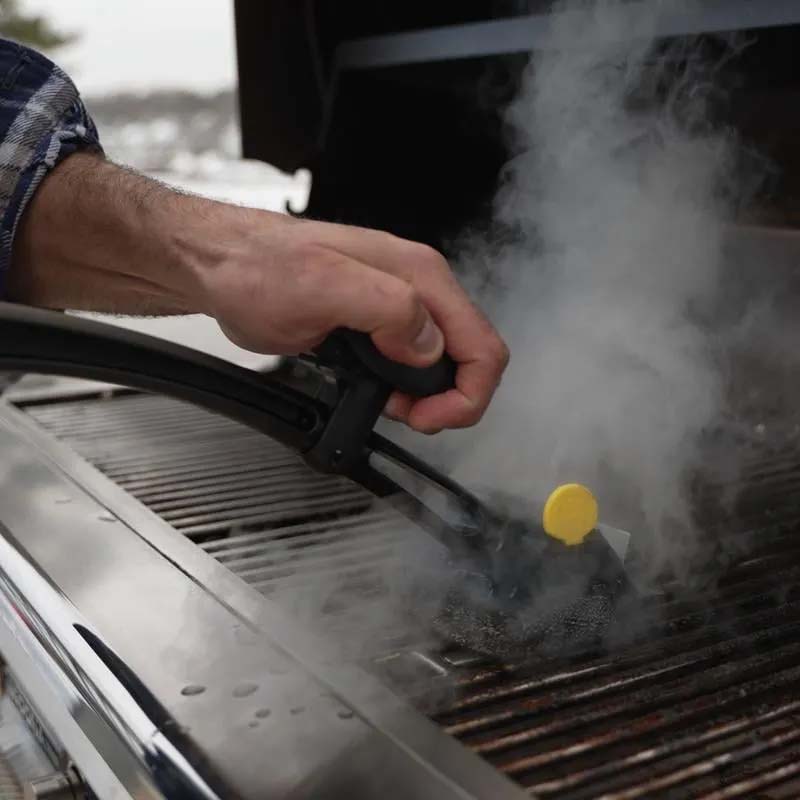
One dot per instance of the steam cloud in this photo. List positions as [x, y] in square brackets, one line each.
[614, 217]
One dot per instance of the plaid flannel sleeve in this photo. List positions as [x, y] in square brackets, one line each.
[42, 121]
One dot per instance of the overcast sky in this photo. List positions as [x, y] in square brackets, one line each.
[145, 44]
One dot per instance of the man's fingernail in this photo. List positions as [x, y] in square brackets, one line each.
[392, 408]
[429, 339]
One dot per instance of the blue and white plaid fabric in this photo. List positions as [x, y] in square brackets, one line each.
[42, 121]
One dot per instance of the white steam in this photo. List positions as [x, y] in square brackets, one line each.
[616, 233]
[611, 248]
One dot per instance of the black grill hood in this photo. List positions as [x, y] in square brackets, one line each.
[403, 130]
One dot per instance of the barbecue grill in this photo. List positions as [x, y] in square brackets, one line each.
[183, 601]
[700, 701]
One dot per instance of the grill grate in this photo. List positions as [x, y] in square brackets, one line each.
[704, 703]
[245, 499]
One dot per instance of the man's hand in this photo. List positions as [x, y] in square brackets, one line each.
[98, 237]
[280, 286]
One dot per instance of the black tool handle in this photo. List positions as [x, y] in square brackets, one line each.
[416, 381]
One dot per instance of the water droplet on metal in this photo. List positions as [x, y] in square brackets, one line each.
[297, 710]
[263, 713]
[345, 713]
[245, 689]
[192, 689]
[252, 724]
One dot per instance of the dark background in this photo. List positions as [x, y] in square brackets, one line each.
[418, 149]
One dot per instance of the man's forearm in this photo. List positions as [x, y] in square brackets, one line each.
[100, 237]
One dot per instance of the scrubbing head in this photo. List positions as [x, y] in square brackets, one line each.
[547, 583]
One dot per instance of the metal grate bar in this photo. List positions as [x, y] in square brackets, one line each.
[142, 459]
[321, 542]
[679, 682]
[666, 761]
[313, 497]
[351, 525]
[273, 489]
[283, 512]
[161, 478]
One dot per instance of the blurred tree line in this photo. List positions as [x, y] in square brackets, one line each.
[32, 29]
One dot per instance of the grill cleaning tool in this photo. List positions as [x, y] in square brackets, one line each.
[516, 577]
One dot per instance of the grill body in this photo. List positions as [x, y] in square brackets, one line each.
[701, 701]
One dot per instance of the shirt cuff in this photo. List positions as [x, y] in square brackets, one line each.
[42, 121]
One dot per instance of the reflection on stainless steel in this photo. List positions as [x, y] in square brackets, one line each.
[111, 738]
[58, 786]
[523, 34]
[26, 751]
[150, 630]
[10, 788]
[43, 751]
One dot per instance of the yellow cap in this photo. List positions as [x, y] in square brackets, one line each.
[570, 513]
